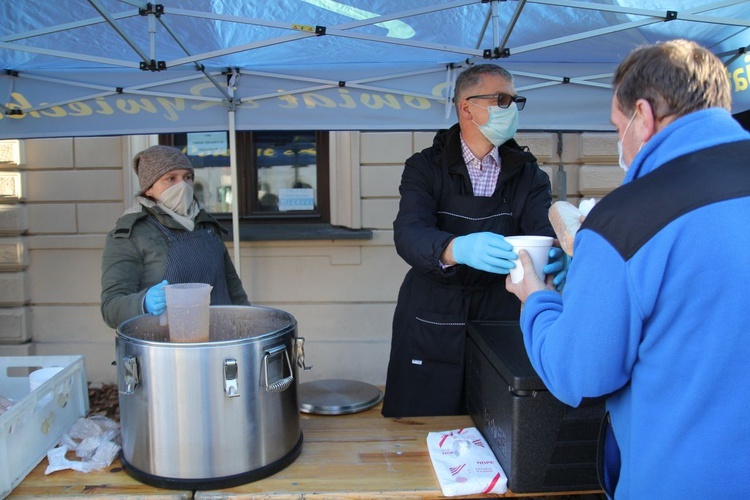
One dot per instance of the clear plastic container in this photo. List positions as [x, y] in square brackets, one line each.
[187, 311]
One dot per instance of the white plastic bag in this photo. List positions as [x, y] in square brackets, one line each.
[95, 441]
[464, 463]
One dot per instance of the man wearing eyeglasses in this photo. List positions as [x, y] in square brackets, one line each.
[459, 199]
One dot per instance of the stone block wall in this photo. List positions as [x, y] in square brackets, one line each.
[14, 259]
[59, 197]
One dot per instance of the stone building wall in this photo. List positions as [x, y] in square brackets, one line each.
[59, 197]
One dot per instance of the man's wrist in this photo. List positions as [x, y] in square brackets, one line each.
[446, 258]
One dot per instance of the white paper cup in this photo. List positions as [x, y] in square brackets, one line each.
[188, 311]
[538, 248]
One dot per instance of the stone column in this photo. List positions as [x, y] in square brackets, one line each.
[15, 335]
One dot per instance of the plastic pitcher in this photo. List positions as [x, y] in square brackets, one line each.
[187, 311]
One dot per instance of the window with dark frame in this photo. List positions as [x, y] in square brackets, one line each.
[282, 176]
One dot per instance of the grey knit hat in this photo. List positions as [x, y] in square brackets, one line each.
[152, 163]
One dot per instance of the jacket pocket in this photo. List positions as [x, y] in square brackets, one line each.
[438, 338]
[607, 457]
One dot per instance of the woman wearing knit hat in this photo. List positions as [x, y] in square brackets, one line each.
[166, 237]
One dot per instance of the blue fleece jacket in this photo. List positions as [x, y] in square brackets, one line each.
[665, 331]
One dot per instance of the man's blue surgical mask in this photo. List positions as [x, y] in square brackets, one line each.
[501, 125]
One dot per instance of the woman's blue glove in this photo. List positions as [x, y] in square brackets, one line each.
[557, 264]
[156, 299]
[484, 251]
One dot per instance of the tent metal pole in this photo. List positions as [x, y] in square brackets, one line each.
[110, 20]
[562, 178]
[236, 49]
[448, 89]
[134, 90]
[232, 79]
[235, 193]
[486, 24]
[495, 27]
[67, 26]
[152, 38]
[511, 24]
[68, 55]
[199, 66]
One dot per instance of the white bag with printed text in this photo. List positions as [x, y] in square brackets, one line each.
[464, 464]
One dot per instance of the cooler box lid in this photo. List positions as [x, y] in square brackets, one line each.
[502, 343]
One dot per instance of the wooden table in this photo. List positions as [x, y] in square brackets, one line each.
[357, 456]
[112, 482]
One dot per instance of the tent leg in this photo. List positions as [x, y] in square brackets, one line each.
[235, 191]
[562, 178]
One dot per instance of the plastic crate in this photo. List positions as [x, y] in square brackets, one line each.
[38, 419]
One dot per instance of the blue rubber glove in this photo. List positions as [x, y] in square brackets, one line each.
[557, 264]
[484, 251]
[156, 299]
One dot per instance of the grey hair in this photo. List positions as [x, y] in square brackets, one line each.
[471, 77]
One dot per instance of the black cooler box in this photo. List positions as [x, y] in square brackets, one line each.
[541, 443]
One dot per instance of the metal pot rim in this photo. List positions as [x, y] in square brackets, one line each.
[160, 335]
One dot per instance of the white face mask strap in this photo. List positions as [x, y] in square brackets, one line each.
[479, 106]
[628, 126]
[621, 160]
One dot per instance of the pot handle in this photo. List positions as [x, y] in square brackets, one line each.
[231, 386]
[281, 384]
[299, 347]
[131, 377]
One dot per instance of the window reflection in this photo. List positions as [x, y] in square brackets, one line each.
[287, 173]
[281, 175]
[209, 154]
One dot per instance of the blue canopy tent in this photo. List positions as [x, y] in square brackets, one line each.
[94, 67]
[118, 67]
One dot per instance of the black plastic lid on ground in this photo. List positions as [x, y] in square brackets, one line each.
[337, 397]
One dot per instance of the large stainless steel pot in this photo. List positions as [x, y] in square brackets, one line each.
[213, 414]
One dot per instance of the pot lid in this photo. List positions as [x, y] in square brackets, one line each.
[337, 397]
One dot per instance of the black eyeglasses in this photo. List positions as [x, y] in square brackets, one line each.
[503, 100]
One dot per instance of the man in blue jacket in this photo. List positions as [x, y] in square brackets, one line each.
[654, 314]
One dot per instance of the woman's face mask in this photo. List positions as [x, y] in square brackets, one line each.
[501, 125]
[178, 197]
